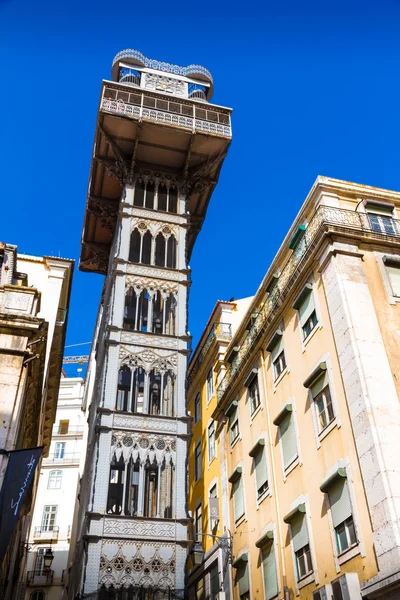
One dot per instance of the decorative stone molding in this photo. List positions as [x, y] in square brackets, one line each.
[158, 273]
[162, 83]
[154, 227]
[142, 213]
[151, 285]
[148, 359]
[151, 340]
[144, 423]
[149, 447]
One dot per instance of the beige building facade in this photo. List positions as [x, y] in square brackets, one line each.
[34, 301]
[307, 402]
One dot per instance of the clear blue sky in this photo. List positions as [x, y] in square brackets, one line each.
[314, 87]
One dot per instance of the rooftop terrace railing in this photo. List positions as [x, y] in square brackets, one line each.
[180, 113]
[217, 330]
[325, 218]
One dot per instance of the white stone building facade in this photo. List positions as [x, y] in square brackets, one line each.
[55, 501]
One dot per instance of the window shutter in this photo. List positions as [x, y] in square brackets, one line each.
[339, 500]
[277, 349]
[238, 498]
[288, 438]
[269, 568]
[306, 307]
[394, 276]
[260, 467]
[319, 384]
[299, 531]
[243, 576]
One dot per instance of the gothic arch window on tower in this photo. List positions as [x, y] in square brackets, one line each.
[150, 311]
[144, 194]
[156, 195]
[144, 392]
[116, 487]
[159, 250]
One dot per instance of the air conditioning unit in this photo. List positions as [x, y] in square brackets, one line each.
[220, 596]
[346, 587]
[323, 593]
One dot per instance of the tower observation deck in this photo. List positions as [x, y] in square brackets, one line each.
[158, 150]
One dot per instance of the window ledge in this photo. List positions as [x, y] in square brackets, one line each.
[327, 429]
[310, 335]
[279, 379]
[349, 554]
[255, 413]
[235, 441]
[266, 494]
[306, 581]
[240, 520]
[293, 465]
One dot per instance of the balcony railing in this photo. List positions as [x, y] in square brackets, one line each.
[40, 578]
[176, 112]
[60, 430]
[325, 219]
[218, 330]
[46, 533]
[71, 459]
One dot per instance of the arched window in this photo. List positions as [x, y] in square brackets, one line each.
[173, 200]
[115, 488]
[171, 252]
[37, 595]
[150, 491]
[160, 250]
[140, 247]
[138, 390]
[162, 197]
[170, 315]
[149, 198]
[168, 394]
[138, 198]
[157, 320]
[155, 392]
[130, 309]
[163, 314]
[132, 492]
[124, 388]
[55, 478]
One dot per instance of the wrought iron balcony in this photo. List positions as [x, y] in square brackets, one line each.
[40, 577]
[66, 459]
[221, 331]
[176, 111]
[46, 533]
[326, 219]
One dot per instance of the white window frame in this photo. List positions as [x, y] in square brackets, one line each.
[196, 420]
[336, 422]
[57, 478]
[214, 483]
[297, 460]
[318, 325]
[359, 548]
[256, 382]
[211, 425]
[61, 445]
[210, 387]
[303, 499]
[268, 491]
[48, 513]
[233, 442]
[243, 517]
[197, 477]
[278, 379]
[385, 275]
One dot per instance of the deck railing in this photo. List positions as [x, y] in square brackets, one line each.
[325, 218]
[169, 111]
[72, 459]
[46, 533]
[40, 577]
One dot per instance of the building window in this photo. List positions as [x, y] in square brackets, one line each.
[59, 450]
[55, 478]
[197, 408]
[288, 439]
[197, 461]
[381, 219]
[150, 491]
[63, 427]
[213, 508]
[260, 468]
[269, 571]
[38, 595]
[324, 406]
[278, 358]
[242, 577]
[234, 425]
[39, 561]
[320, 594]
[210, 385]
[301, 545]
[393, 271]
[237, 494]
[211, 441]
[342, 517]
[214, 581]
[305, 306]
[198, 524]
[254, 395]
[115, 488]
[49, 518]
[199, 589]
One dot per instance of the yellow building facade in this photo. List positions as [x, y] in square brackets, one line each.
[307, 412]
